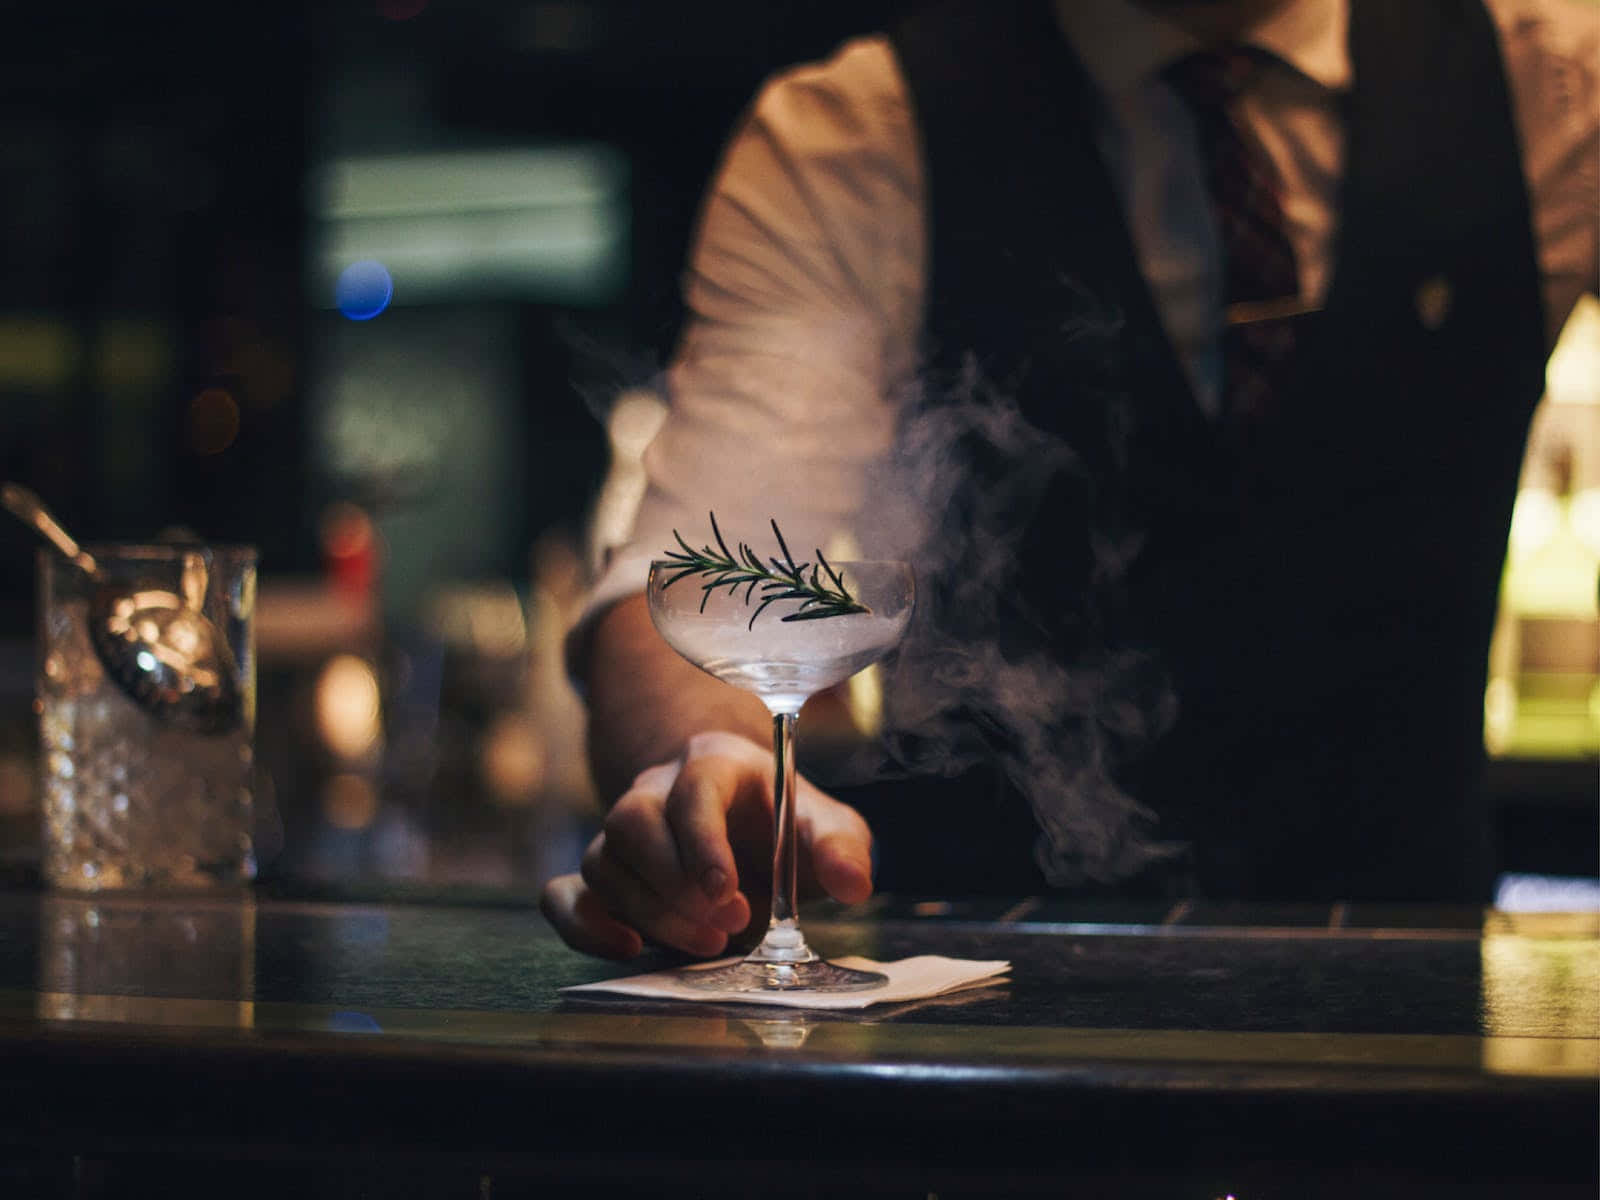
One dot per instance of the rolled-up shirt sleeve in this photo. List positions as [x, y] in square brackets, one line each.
[804, 292]
[1552, 53]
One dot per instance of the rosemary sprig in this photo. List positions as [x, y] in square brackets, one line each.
[817, 586]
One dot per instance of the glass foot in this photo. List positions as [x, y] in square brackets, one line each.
[814, 976]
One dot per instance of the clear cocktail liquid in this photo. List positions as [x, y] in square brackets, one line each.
[783, 662]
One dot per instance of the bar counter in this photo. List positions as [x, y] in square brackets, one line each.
[418, 1044]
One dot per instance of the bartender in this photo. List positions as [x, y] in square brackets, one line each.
[1281, 277]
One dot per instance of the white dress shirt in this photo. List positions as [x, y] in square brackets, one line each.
[805, 282]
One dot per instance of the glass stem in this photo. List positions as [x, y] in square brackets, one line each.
[784, 941]
[784, 859]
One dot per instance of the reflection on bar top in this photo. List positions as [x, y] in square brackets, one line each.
[1462, 989]
[836, 1041]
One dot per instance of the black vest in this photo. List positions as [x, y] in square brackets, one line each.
[1321, 606]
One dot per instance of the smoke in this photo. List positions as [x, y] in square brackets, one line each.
[986, 505]
[990, 507]
[605, 370]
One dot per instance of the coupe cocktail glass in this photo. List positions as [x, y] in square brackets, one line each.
[784, 662]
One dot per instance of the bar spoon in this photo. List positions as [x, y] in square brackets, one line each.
[155, 644]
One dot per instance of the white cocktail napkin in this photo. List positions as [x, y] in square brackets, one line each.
[909, 979]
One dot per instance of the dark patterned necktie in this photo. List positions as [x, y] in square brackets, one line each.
[1261, 280]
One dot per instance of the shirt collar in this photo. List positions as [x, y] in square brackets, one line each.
[1131, 45]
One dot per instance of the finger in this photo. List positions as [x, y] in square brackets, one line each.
[582, 921]
[733, 915]
[637, 837]
[629, 899]
[838, 844]
[697, 818]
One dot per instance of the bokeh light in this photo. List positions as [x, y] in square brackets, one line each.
[354, 1022]
[213, 421]
[349, 547]
[348, 707]
[364, 290]
[513, 761]
[349, 801]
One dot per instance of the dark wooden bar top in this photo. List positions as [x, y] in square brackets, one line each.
[420, 1045]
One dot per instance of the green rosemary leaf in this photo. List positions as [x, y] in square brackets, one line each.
[832, 574]
[783, 545]
[718, 534]
[817, 614]
[775, 579]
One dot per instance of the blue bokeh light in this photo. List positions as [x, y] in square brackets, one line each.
[347, 1021]
[364, 290]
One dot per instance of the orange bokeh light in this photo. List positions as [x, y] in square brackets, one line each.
[213, 421]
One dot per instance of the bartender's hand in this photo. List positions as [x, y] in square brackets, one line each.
[685, 854]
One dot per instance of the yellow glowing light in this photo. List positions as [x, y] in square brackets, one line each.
[37, 352]
[513, 760]
[1499, 714]
[864, 698]
[349, 801]
[1535, 518]
[1540, 1001]
[1584, 513]
[864, 689]
[1572, 374]
[348, 707]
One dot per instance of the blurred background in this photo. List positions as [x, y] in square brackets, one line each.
[380, 286]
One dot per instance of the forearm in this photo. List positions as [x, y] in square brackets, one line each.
[645, 702]
[800, 324]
